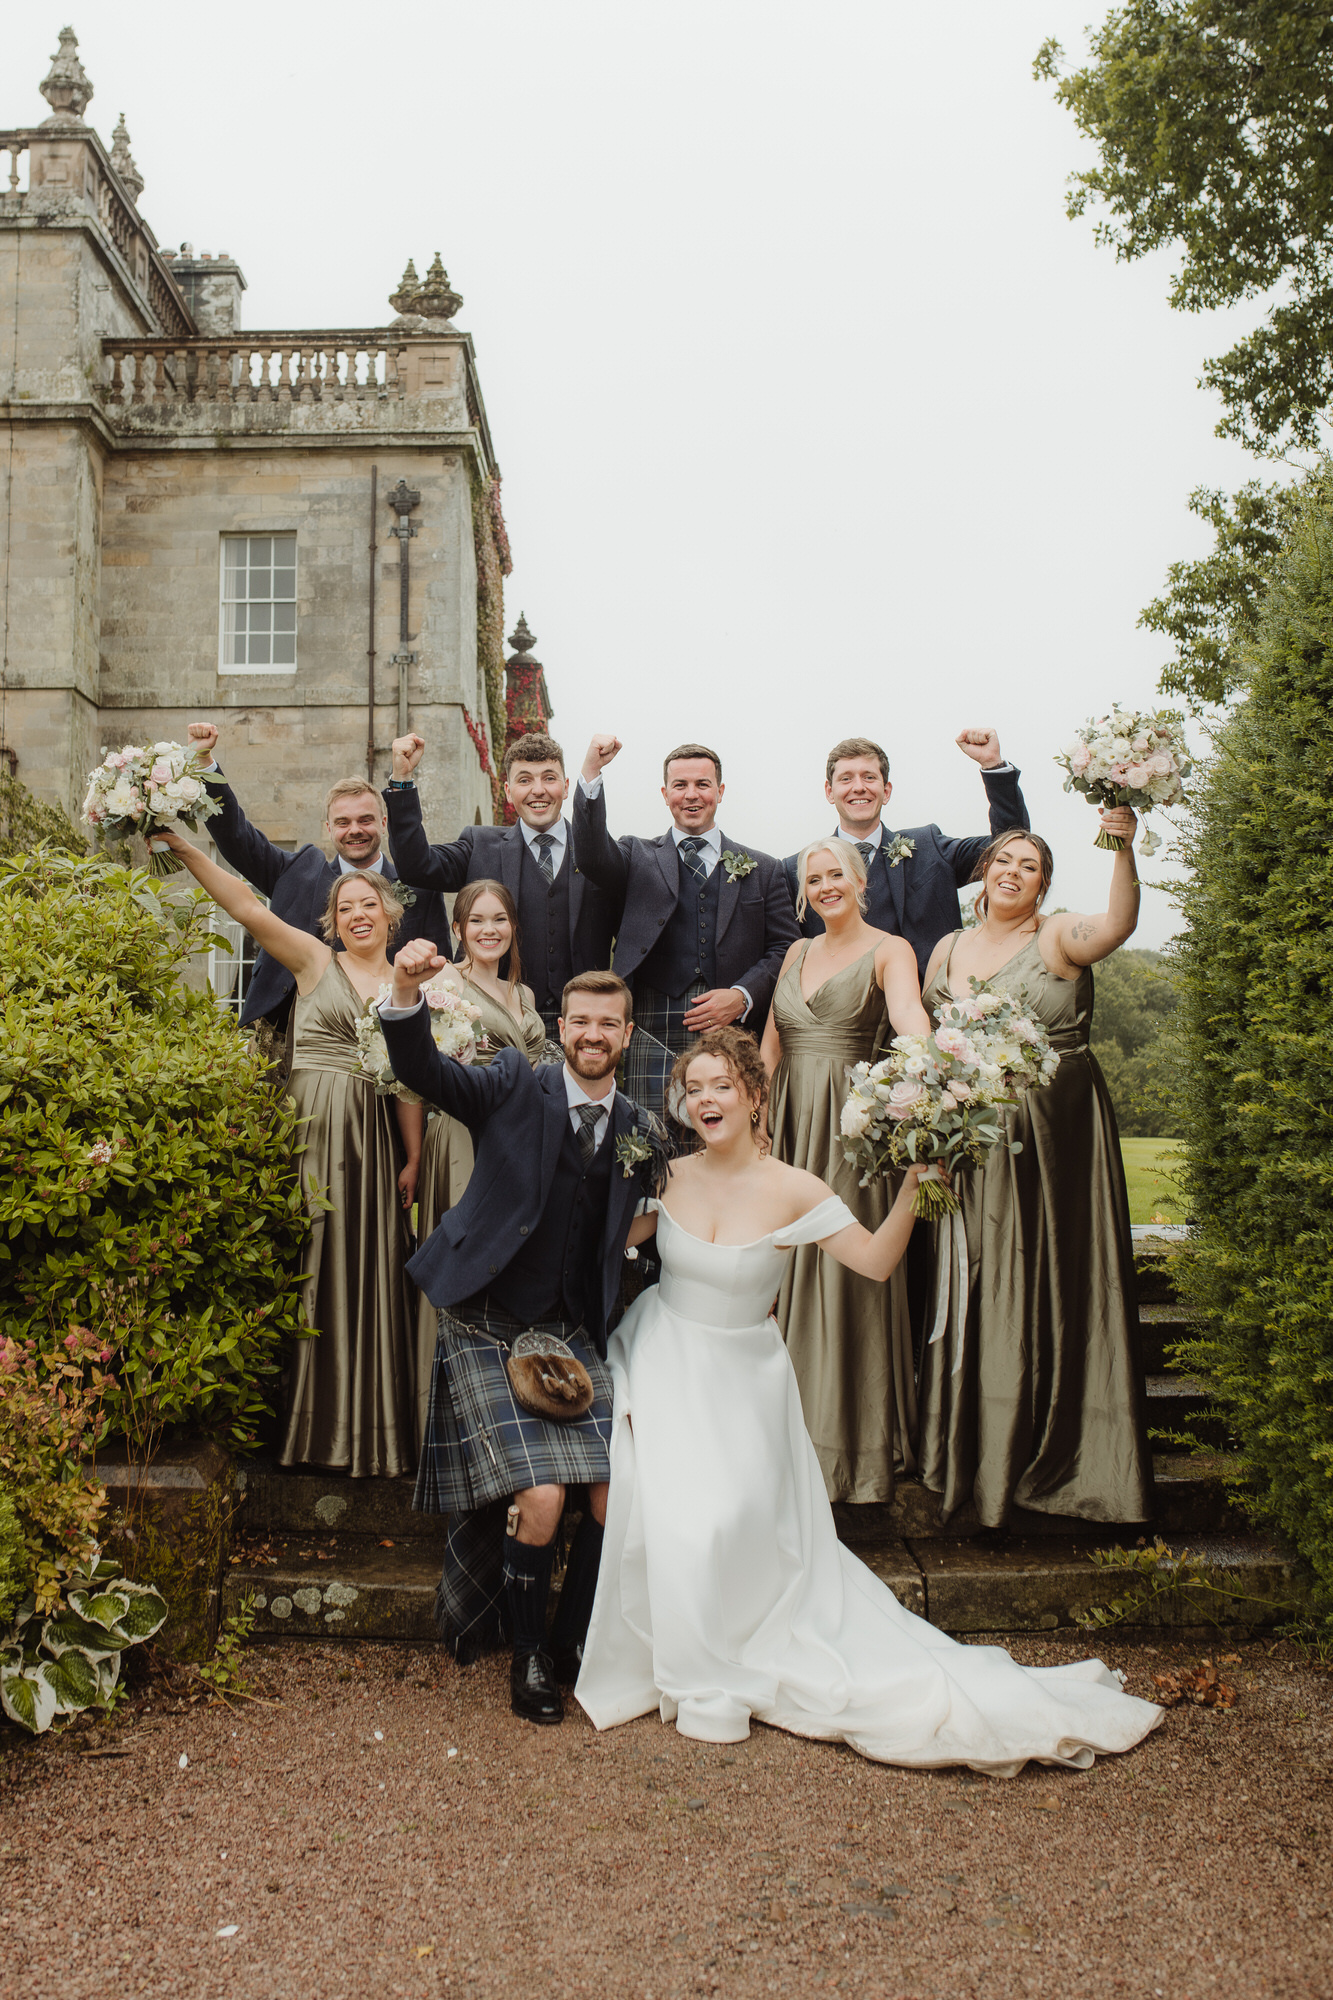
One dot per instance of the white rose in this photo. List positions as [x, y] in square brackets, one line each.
[989, 1003]
[857, 1117]
[158, 802]
[173, 789]
[120, 801]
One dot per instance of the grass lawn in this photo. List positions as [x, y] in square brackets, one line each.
[1153, 1196]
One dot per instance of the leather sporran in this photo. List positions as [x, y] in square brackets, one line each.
[548, 1378]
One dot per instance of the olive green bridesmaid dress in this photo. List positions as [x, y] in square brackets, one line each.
[849, 1337]
[1035, 1397]
[350, 1390]
[446, 1164]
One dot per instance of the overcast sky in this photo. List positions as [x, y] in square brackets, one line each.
[816, 414]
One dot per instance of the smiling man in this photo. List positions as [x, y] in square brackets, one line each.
[912, 877]
[532, 1253]
[707, 920]
[565, 921]
[297, 885]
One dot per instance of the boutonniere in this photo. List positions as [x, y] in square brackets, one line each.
[632, 1151]
[898, 849]
[407, 897]
[738, 866]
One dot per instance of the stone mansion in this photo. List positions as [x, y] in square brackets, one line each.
[295, 533]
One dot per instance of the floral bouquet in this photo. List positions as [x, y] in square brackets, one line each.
[1128, 759]
[453, 1029]
[144, 787]
[942, 1097]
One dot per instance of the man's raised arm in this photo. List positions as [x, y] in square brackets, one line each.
[250, 852]
[599, 857]
[421, 864]
[1008, 807]
[465, 1093]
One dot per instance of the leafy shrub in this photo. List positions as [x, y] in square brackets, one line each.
[51, 1422]
[148, 1180]
[61, 1665]
[25, 822]
[1135, 1007]
[1256, 976]
[14, 1571]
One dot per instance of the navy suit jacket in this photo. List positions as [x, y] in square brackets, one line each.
[297, 886]
[518, 1117]
[755, 924]
[496, 853]
[918, 900]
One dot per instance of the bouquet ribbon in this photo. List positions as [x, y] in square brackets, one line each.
[951, 1269]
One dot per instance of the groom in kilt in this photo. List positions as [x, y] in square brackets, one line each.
[525, 1272]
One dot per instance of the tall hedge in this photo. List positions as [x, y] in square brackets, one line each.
[148, 1169]
[1256, 974]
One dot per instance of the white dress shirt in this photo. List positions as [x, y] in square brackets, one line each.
[559, 837]
[375, 867]
[575, 1095]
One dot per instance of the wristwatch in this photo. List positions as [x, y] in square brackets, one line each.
[402, 785]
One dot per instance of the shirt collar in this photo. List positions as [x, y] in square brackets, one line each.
[575, 1094]
[712, 839]
[558, 832]
[375, 867]
[872, 839]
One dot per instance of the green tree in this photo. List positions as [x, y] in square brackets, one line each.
[1256, 976]
[1212, 121]
[1136, 1003]
[25, 822]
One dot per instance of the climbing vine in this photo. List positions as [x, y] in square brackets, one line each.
[491, 543]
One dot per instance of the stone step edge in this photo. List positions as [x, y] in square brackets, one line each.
[960, 1587]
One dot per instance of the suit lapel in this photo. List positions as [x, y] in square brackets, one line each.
[555, 1118]
[669, 862]
[895, 875]
[323, 889]
[728, 895]
[511, 859]
[624, 1187]
[575, 885]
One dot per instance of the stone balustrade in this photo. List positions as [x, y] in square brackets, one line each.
[272, 368]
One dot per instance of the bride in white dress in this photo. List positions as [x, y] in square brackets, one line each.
[724, 1593]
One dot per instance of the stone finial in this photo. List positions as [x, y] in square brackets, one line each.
[67, 89]
[522, 640]
[431, 299]
[123, 162]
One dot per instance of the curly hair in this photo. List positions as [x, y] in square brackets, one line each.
[738, 1050]
[393, 909]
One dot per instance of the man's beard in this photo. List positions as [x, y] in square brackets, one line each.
[591, 1064]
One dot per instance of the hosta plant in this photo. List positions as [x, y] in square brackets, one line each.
[61, 1665]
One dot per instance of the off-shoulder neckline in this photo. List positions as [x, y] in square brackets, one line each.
[708, 1244]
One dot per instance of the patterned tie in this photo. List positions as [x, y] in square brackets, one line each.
[544, 845]
[866, 850]
[690, 855]
[588, 1116]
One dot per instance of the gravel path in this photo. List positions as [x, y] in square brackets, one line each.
[355, 1855]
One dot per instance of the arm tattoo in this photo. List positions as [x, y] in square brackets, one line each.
[1083, 929]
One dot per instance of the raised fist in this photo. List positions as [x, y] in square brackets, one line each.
[981, 745]
[202, 739]
[418, 961]
[407, 754]
[600, 752]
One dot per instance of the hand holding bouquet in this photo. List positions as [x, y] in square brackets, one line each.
[1128, 759]
[941, 1098]
[453, 1029]
[144, 788]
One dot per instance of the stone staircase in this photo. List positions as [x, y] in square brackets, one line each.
[327, 1557]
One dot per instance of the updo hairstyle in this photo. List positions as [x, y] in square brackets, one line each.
[740, 1052]
[371, 877]
[842, 850]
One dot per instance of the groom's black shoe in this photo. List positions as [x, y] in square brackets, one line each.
[567, 1662]
[533, 1693]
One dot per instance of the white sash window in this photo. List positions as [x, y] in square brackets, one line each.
[258, 621]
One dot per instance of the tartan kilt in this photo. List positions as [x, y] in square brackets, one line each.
[660, 1035]
[481, 1445]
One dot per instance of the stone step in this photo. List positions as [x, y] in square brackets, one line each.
[1015, 1584]
[278, 1502]
[1177, 1403]
[1160, 1327]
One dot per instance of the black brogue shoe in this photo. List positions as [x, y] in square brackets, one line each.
[532, 1688]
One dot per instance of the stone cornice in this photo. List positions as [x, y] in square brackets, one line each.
[391, 437]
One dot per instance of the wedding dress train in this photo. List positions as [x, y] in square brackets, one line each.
[724, 1593]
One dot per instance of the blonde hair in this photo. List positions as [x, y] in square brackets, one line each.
[841, 850]
[393, 909]
[350, 788]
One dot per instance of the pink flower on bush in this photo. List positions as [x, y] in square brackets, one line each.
[904, 1098]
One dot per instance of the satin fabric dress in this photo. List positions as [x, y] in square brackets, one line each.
[350, 1392]
[446, 1164]
[1035, 1397]
[724, 1593]
[849, 1338]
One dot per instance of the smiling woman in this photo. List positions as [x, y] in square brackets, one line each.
[350, 1392]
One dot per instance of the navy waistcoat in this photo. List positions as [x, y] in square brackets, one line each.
[558, 1271]
[543, 919]
[687, 949]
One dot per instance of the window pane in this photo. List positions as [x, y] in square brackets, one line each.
[259, 649]
[261, 583]
[261, 547]
[261, 618]
[236, 548]
[284, 583]
[284, 649]
[284, 618]
[233, 636]
[284, 550]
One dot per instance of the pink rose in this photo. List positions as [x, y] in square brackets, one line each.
[1136, 776]
[1080, 760]
[904, 1098]
[1160, 765]
[962, 1091]
[970, 1011]
[1118, 774]
[952, 1042]
[160, 773]
[948, 1102]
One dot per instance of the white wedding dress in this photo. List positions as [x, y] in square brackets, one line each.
[724, 1593]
